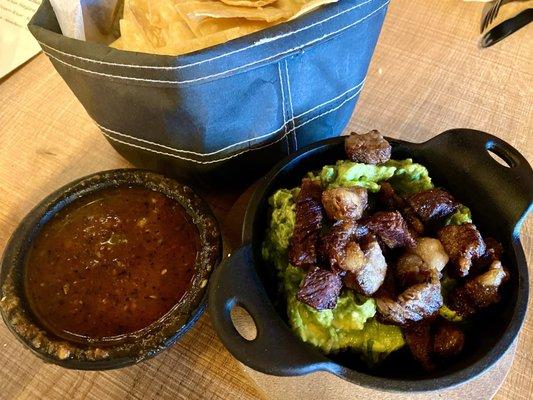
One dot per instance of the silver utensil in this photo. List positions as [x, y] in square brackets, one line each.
[507, 27]
[491, 14]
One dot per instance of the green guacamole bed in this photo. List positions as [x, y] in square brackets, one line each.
[351, 324]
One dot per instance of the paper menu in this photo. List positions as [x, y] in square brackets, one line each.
[17, 45]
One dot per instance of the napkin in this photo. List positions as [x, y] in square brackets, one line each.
[90, 20]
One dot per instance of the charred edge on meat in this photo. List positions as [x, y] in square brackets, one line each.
[309, 219]
[369, 148]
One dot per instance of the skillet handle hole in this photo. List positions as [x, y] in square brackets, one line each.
[499, 155]
[243, 323]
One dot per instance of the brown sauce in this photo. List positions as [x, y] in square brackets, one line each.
[111, 263]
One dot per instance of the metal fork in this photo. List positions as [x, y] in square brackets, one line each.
[491, 14]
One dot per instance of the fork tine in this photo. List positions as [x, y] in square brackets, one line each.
[484, 23]
[496, 10]
[491, 14]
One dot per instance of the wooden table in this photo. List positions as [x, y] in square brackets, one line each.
[427, 75]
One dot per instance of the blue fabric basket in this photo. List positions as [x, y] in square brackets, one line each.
[233, 108]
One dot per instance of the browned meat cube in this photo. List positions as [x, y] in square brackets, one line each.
[415, 224]
[493, 252]
[416, 303]
[390, 227]
[411, 270]
[388, 198]
[432, 205]
[345, 203]
[495, 247]
[320, 289]
[420, 342]
[448, 341]
[334, 242]
[421, 299]
[366, 266]
[479, 292]
[463, 243]
[432, 252]
[391, 201]
[370, 148]
[309, 217]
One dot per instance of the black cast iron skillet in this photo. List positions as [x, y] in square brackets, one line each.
[499, 196]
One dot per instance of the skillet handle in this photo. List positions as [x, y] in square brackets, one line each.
[509, 188]
[275, 350]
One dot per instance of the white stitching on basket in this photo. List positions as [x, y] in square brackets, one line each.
[283, 107]
[258, 43]
[333, 109]
[292, 108]
[109, 130]
[222, 72]
[187, 151]
[241, 152]
[331, 100]
[282, 100]
[190, 159]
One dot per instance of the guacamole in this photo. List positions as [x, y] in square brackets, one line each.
[461, 216]
[351, 324]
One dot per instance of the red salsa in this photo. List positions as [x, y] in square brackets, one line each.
[111, 263]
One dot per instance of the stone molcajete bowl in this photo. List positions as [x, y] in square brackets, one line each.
[125, 349]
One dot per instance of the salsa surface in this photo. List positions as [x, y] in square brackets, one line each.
[111, 263]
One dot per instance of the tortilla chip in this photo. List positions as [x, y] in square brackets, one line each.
[159, 20]
[215, 9]
[248, 3]
[208, 26]
[117, 44]
[297, 8]
[174, 27]
[188, 46]
[309, 6]
[134, 39]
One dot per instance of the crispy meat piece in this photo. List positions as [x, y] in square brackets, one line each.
[388, 198]
[320, 289]
[432, 252]
[420, 342]
[415, 303]
[355, 258]
[463, 243]
[421, 299]
[370, 148]
[366, 266]
[479, 292]
[309, 217]
[448, 340]
[432, 205]
[345, 203]
[495, 247]
[416, 226]
[391, 201]
[390, 227]
[431, 341]
[388, 288]
[493, 252]
[334, 242]
[411, 270]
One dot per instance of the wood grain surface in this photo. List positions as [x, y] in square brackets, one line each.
[427, 75]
